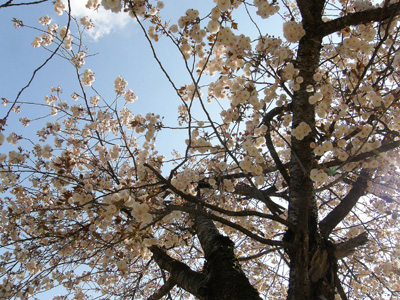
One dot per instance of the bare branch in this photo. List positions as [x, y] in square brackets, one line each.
[38, 68]
[10, 3]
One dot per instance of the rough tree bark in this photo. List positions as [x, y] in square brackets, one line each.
[302, 206]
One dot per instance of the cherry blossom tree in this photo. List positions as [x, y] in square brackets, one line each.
[289, 191]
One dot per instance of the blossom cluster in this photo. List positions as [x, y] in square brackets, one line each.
[79, 59]
[113, 5]
[45, 21]
[46, 38]
[223, 5]
[66, 36]
[92, 4]
[268, 45]
[88, 77]
[130, 96]
[186, 181]
[301, 131]
[265, 9]
[59, 7]
[214, 25]
[360, 5]
[318, 176]
[237, 45]
[316, 97]
[201, 144]
[120, 85]
[325, 147]
[293, 31]
[359, 44]
[87, 23]
[189, 92]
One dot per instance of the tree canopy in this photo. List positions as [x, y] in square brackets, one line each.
[285, 185]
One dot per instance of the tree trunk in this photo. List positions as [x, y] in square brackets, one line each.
[224, 276]
[302, 205]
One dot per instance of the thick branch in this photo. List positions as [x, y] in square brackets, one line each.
[187, 197]
[334, 163]
[244, 213]
[169, 285]
[184, 277]
[311, 11]
[346, 205]
[366, 16]
[347, 248]
[207, 233]
[221, 262]
[222, 265]
[305, 9]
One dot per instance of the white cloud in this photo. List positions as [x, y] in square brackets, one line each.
[104, 21]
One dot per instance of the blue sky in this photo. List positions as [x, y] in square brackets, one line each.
[121, 50]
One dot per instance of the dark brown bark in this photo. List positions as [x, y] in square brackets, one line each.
[311, 11]
[302, 206]
[348, 247]
[322, 272]
[184, 277]
[224, 276]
